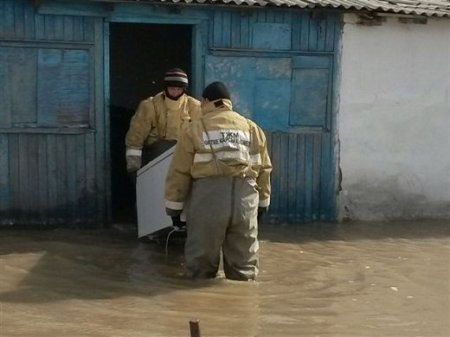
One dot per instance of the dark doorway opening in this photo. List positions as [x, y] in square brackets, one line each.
[140, 54]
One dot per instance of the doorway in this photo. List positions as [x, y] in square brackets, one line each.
[140, 54]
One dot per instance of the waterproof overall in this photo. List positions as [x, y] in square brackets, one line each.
[222, 211]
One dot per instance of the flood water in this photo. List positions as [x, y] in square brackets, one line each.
[351, 279]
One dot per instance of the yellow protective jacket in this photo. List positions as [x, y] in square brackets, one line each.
[159, 117]
[221, 142]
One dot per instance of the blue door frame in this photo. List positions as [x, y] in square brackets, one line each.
[279, 63]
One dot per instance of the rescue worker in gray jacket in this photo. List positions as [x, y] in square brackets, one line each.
[220, 175]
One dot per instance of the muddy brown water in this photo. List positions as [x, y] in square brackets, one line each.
[353, 279]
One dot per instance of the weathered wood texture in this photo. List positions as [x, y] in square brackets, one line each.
[280, 66]
[54, 132]
[52, 145]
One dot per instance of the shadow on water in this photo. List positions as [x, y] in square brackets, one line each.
[321, 279]
[60, 264]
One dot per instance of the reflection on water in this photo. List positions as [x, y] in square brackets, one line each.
[315, 280]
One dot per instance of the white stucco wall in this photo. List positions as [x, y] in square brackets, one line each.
[393, 120]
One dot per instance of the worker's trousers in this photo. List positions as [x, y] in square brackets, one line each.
[222, 215]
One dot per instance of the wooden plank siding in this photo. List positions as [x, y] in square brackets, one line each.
[54, 131]
[280, 67]
[297, 184]
[310, 32]
[47, 176]
[53, 147]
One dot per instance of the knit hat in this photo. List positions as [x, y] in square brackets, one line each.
[176, 77]
[216, 90]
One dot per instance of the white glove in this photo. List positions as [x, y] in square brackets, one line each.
[133, 163]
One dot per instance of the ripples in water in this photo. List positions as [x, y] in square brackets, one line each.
[352, 279]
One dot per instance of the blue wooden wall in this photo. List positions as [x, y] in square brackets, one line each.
[52, 130]
[280, 66]
[54, 163]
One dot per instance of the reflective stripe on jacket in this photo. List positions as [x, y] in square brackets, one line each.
[221, 143]
[159, 117]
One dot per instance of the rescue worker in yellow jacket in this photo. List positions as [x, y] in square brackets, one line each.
[220, 174]
[160, 118]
